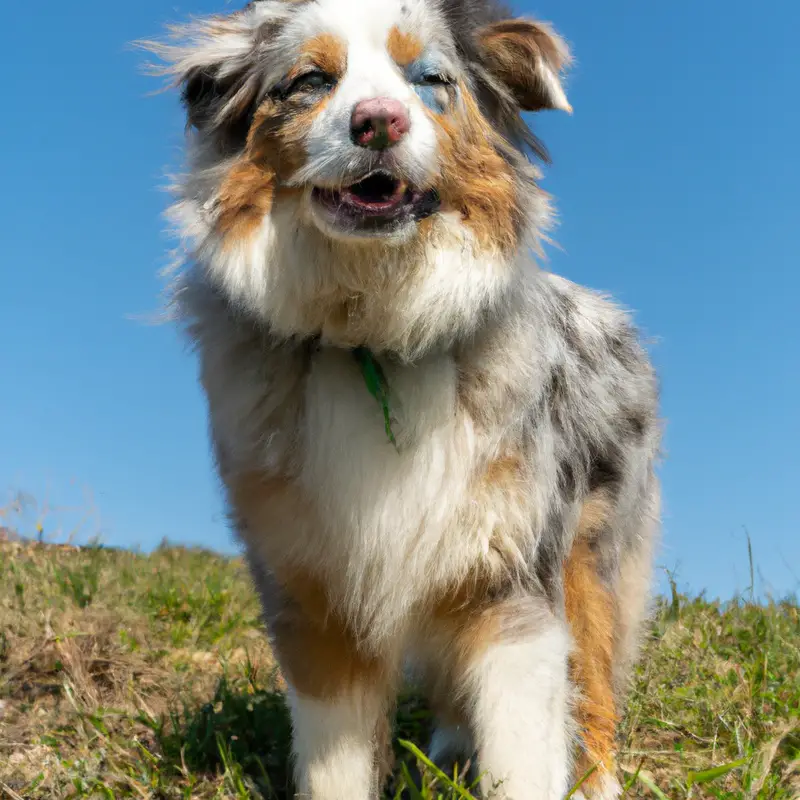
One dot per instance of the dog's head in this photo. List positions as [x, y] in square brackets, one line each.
[357, 168]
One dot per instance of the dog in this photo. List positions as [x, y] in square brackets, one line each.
[436, 454]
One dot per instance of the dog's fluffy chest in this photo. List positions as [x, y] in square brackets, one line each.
[388, 514]
[382, 527]
[359, 479]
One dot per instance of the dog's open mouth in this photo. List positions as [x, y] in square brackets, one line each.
[378, 202]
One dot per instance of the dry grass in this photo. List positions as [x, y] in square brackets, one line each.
[125, 675]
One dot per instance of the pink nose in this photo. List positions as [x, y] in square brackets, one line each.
[379, 123]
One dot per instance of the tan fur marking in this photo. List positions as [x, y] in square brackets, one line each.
[464, 625]
[467, 630]
[275, 150]
[275, 140]
[327, 52]
[590, 612]
[403, 47]
[244, 199]
[505, 471]
[502, 488]
[474, 386]
[514, 51]
[476, 180]
[523, 38]
[595, 515]
[318, 654]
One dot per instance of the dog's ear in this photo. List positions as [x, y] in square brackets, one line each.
[201, 94]
[529, 58]
[213, 101]
[214, 62]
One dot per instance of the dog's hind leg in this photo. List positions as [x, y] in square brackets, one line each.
[591, 614]
[606, 610]
[632, 592]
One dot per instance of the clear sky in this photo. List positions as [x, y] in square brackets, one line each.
[678, 185]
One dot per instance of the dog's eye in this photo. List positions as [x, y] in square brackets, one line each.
[312, 81]
[436, 91]
[435, 79]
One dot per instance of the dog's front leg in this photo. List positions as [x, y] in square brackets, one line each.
[335, 744]
[338, 693]
[338, 698]
[513, 676]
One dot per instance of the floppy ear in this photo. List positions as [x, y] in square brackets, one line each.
[529, 58]
[211, 60]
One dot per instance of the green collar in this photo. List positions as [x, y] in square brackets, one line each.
[377, 384]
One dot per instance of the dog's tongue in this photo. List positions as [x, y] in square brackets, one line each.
[375, 193]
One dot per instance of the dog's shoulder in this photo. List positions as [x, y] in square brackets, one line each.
[598, 338]
[602, 391]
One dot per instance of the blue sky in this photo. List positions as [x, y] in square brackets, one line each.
[677, 182]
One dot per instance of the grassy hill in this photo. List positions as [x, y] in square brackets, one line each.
[125, 675]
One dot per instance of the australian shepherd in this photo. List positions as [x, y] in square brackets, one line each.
[435, 452]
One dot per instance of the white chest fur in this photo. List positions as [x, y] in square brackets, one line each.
[389, 514]
[349, 462]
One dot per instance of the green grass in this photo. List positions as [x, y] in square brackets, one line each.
[125, 675]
